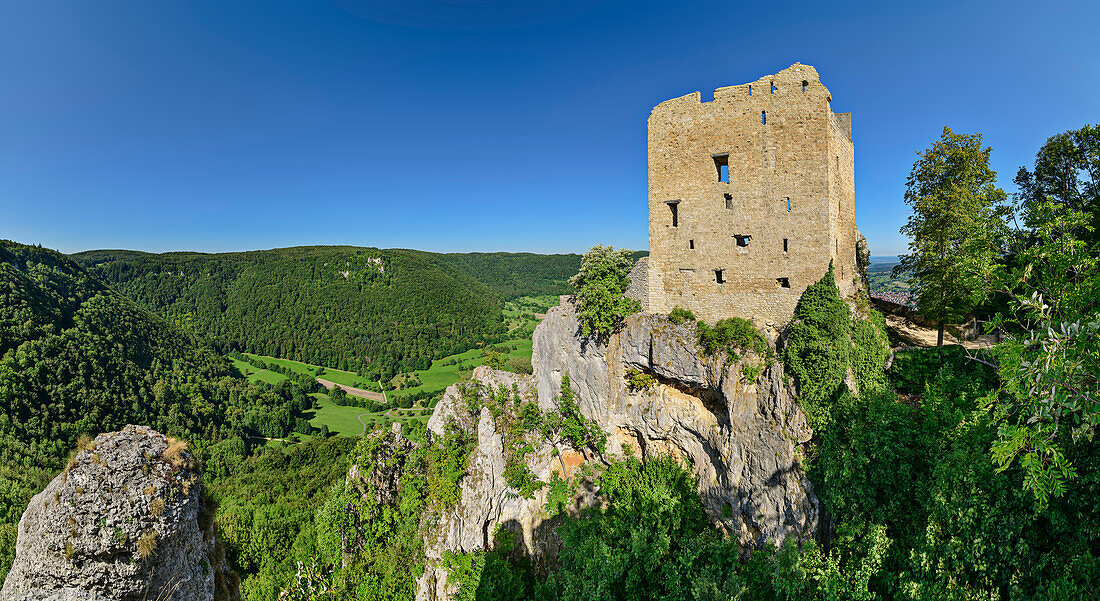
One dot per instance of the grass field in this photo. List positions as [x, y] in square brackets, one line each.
[257, 375]
[344, 420]
[346, 378]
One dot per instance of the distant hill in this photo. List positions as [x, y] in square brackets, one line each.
[79, 358]
[370, 310]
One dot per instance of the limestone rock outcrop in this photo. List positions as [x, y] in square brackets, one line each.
[741, 437]
[124, 521]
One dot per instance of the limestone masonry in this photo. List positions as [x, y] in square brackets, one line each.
[750, 196]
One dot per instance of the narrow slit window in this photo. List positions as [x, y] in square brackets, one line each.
[783, 282]
[750, 89]
[788, 204]
[722, 166]
[718, 276]
[784, 245]
[764, 119]
[742, 240]
[674, 206]
[729, 200]
[804, 84]
[691, 244]
[772, 85]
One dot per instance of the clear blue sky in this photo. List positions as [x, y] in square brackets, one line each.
[458, 125]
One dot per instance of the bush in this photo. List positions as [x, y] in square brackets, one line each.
[639, 380]
[600, 284]
[679, 315]
[731, 334]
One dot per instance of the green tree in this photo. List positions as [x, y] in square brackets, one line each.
[600, 284]
[1066, 173]
[1049, 362]
[953, 228]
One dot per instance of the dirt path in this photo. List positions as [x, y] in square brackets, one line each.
[377, 397]
[916, 335]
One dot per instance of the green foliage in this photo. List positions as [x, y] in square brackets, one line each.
[1066, 175]
[652, 540]
[380, 312]
[568, 425]
[819, 349]
[494, 359]
[369, 529]
[731, 335]
[679, 315]
[77, 358]
[639, 380]
[266, 506]
[953, 228]
[600, 284]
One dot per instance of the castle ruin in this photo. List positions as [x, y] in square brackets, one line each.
[751, 195]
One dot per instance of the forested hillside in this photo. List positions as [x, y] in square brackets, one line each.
[374, 311]
[77, 358]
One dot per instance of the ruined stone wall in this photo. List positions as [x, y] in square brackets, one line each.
[781, 142]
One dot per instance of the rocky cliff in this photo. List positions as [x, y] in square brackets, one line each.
[124, 521]
[736, 422]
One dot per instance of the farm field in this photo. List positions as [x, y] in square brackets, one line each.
[257, 375]
[344, 420]
[346, 378]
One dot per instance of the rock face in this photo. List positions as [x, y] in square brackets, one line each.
[741, 437]
[124, 521]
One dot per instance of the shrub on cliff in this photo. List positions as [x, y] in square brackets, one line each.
[600, 284]
[824, 343]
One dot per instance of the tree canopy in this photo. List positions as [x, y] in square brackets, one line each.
[953, 229]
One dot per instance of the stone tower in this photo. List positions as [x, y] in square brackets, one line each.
[751, 195]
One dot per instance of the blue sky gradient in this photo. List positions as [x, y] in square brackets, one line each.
[463, 125]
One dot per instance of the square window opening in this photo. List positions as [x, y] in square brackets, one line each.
[719, 277]
[783, 282]
[722, 166]
[742, 240]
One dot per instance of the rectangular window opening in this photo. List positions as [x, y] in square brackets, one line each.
[718, 276]
[729, 200]
[764, 118]
[783, 282]
[772, 85]
[804, 84]
[722, 165]
[691, 244]
[784, 245]
[673, 205]
[742, 240]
